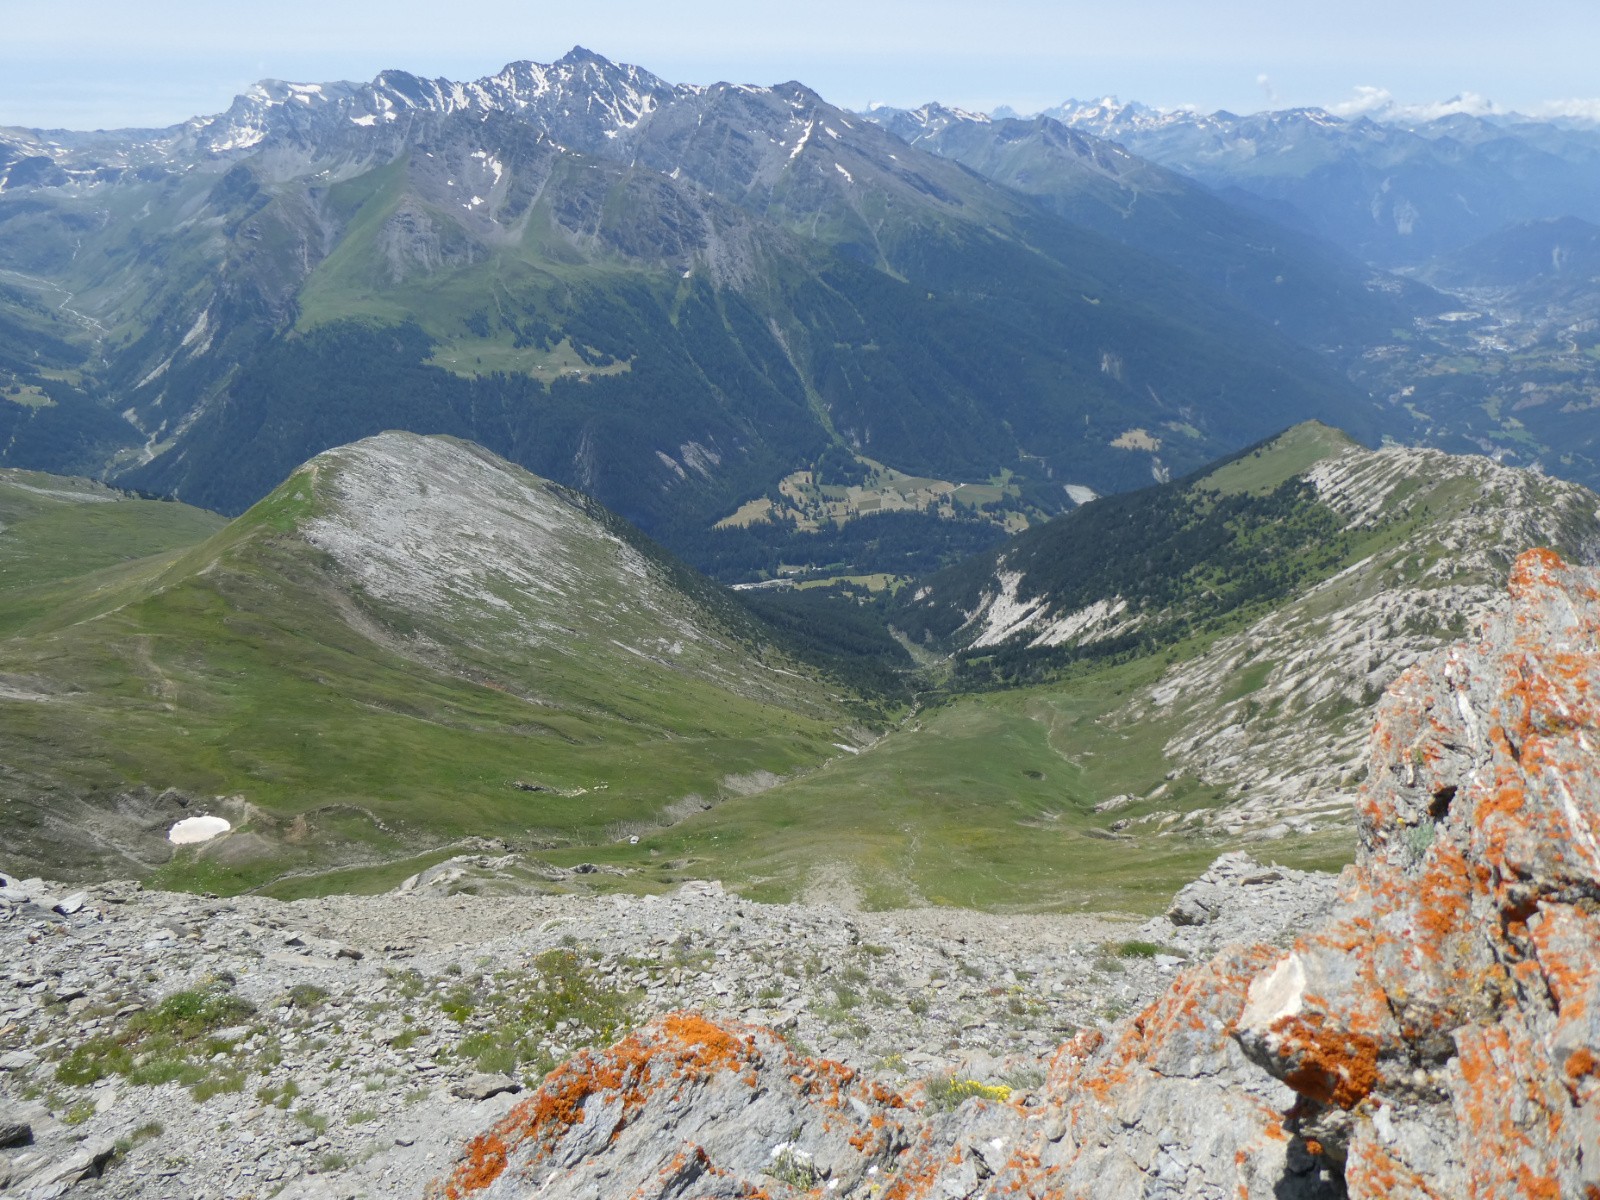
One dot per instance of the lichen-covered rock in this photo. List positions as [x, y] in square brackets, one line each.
[1443, 1029]
[687, 1108]
[1170, 1107]
[1438, 1036]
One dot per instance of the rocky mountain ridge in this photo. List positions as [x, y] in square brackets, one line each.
[608, 97]
[1431, 538]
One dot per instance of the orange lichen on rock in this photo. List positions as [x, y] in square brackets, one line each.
[1329, 1066]
[1472, 951]
[702, 1047]
[596, 1100]
[1372, 1170]
[486, 1159]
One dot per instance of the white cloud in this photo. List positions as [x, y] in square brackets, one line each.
[1573, 109]
[1380, 104]
[1366, 100]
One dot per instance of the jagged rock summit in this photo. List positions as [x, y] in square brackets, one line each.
[1436, 1038]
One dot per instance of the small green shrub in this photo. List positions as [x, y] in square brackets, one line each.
[308, 995]
[311, 1119]
[942, 1092]
[192, 1014]
[168, 1043]
[458, 1004]
[150, 1129]
[560, 990]
[281, 1096]
[217, 1083]
[795, 1168]
[1418, 839]
[1138, 950]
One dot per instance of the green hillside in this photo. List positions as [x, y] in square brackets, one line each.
[582, 681]
[1233, 717]
[412, 646]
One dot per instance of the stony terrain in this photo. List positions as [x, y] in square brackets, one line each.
[327, 1040]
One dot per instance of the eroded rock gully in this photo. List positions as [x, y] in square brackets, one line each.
[1436, 1037]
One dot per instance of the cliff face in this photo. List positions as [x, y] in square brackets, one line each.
[1438, 1037]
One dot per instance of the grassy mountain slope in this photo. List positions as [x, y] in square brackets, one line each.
[365, 667]
[409, 642]
[54, 527]
[1114, 776]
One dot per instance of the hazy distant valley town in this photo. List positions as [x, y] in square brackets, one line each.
[569, 635]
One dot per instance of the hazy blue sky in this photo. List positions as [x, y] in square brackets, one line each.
[89, 63]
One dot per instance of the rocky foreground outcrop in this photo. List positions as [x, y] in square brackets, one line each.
[1438, 1036]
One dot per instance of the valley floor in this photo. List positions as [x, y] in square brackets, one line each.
[157, 1044]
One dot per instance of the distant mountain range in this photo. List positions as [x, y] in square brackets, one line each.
[1317, 293]
[1392, 187]
[672, 297]
[684, 300]
[1489, 209]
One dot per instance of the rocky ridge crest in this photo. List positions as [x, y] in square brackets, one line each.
[1332, 651]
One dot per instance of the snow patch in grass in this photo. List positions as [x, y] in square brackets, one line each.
[191, 831]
